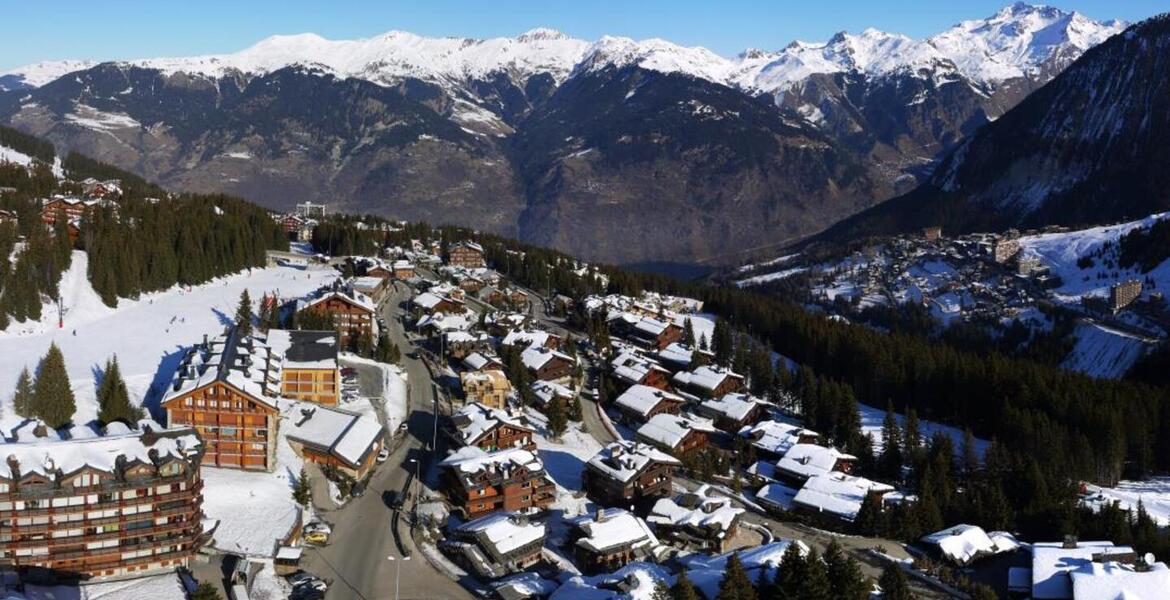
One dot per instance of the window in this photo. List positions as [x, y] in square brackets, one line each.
[188, 402]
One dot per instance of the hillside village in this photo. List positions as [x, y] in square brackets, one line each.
[1034, 281]
[514, 430]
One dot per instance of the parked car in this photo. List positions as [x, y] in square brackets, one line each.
[316, 538]
[318, 526]
[383, 455]
[300, 576]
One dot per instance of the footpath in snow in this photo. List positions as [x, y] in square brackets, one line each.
[149, 335]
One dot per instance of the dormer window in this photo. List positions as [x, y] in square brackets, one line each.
[86, 480]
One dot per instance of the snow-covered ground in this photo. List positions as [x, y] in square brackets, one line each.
[156, 587]
[148, 334]
[871, 423]
[769, 277]
[1153, 494]
[1104, 352]
[564, 459]
[254, 509]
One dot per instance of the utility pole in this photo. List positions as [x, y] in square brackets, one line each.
[398, 572]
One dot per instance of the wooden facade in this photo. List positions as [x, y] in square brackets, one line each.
[239, 430]
[310, 384]
[353, 320]
[491, 489]
[466, 254]
[655, 480]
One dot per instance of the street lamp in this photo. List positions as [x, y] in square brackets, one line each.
[418, 485]
[398, 571]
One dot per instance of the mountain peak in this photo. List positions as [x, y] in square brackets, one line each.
[541, 34]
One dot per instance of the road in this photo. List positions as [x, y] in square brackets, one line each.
[356, 561]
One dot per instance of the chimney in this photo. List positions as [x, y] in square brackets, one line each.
[1070, 542]
[616, 451]
[600, 515]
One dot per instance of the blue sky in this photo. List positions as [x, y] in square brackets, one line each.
[122, 29]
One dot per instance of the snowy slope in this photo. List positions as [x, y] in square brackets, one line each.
[1011, 43]
[38, 74]
[1060, 252]
[147, 334]
[1104, 352]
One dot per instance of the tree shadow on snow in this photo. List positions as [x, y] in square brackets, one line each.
[564, 468]
[161, 382]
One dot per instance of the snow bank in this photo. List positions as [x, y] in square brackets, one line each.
[394, 390]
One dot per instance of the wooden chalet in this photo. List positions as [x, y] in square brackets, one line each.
[478, 483]
[626, 472]
[226, 388]
[490, 429]
[466, 254]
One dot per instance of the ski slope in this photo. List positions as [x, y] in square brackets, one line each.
[148, 335]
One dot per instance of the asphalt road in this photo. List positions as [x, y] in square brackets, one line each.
[356, 560]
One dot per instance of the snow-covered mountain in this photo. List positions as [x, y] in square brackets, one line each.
[553, 138]
[1015, 42]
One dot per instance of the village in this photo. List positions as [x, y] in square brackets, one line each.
[417, 412]
[994, 281]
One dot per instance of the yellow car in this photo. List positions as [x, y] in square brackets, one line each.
[319, 538]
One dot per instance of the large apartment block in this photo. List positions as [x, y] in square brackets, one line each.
[126, 503]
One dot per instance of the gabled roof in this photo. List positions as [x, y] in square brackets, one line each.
[623, 460]
[245, 363]
[642, 399]
[535, 357]
[616, 528]
[705, 377]
[736, 407]
[776, 437]
[670, 430]
[476, 420]
[347, 435]
[807, 460]
[837, 493]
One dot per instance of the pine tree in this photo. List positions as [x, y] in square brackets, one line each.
[890, 464]
[845, 577]
[722, 343]
[791, 572]
[688, 333]
[22, 400]
[683, 589]
[815, 585]
[894, 585]
[113, 397]
[303, 489]
[206, 591]
[244, 314]
[52, 395]
[736, 584]
[557, 419]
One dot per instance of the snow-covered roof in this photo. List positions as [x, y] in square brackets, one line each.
[476, 361]
[734, 406]
[616, 528]
[245, 363]
[624, 459]
[531, 338]
[776, 437]
[838, 494]
[535, 357]
[471, 459]
[705, 377]
[696, 510]
[670, 430]
[429, 300]
[303, 349]
[1118, 581]
[344, 434]
[642, 399]
[807, 460]
[964, 543]
[545, 391]
[47, 456]
[632, 367]
[349, 296]
[777, 495]
[707, 572]
[476, 420]
[524, 585]
[1052, 563]
[504, 532]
